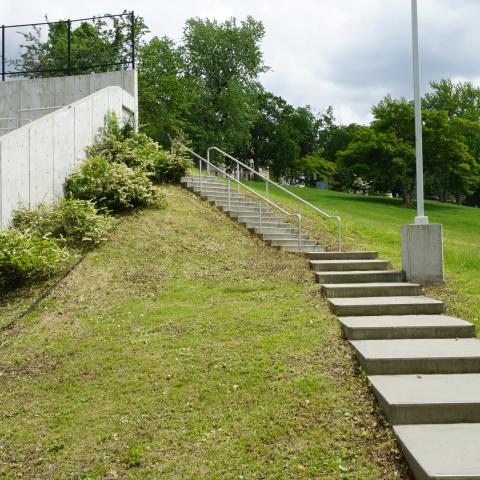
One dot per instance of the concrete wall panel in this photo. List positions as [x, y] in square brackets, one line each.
[14, 173]
[70, 89]
[63, 148]
[100, 105]
[41, 161]
[83, 129]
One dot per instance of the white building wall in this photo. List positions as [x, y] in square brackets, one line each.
[35, 159]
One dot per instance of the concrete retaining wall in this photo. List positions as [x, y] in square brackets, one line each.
[22, 101]
[36, 158]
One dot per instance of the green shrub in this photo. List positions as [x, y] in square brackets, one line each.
[25, 258]
[113, 186]
[138, 151]
[77, 221]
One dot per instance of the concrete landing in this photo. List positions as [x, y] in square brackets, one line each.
[423, 356]
[390, 327]
[400, 305]
[414, 399]
[447, 452]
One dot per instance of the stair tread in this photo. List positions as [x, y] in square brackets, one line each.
[428, 389]
[375, 321]
[418, 348]
[411, 300]
[348, 261]
[369, 284]
[447, 451]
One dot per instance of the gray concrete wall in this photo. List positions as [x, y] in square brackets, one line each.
[36, 158]
[22, 101]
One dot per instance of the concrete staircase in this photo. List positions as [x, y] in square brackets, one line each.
[267, 224]
[423, 365]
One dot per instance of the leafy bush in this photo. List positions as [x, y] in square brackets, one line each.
[171, 167]
[77, 221]
[138, 151]
[25, 258]
[113, 186]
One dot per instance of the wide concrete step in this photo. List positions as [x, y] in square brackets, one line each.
[414, 399]
[303, 249]
[379, 289]
[441, 451]
[423, 356]
[291, 243]
[405, 305]
[255, 219]
[283, 236]
[279, 226]
[343, 255]
[348, 265]
[366, 276]
[238, 213]
[386, 327]
[288, 230]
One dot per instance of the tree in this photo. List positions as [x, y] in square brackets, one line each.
[92, 44]
[166, 95]
[307, 170]
[224, 60]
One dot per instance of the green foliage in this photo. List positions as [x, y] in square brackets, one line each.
[77, 221]
[113, 186]
[92, 44]
[25, 258]
[307, 170]
[140, 152]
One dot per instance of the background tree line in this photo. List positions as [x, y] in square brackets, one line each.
[206, 87]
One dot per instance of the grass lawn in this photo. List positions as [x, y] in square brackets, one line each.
[184, 348]
[375, 223]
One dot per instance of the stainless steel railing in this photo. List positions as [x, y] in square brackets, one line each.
[231, 178]
[299, 200]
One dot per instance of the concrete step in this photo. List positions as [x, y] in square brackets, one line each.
[350, 290]
[446, 451]
[275, 230]
[348, 265]
[304, 249]
[255, 219]
[423, 356]
[291, 243]
[255, 227]
[389, 327]
[414, 399]
[366, 276]
[344, 307]
[283, 236]
[343, 256]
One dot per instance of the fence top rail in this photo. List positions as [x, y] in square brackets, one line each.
[100, 17]
[242, 184]
[300, 199]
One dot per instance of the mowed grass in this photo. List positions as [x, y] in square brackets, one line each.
[374, 223]
[184, 348]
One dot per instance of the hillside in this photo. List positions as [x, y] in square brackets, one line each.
[186, 348]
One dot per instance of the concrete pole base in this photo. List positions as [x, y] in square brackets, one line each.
[422, 253]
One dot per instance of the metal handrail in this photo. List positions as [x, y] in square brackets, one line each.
[230, 177]
[267, 180]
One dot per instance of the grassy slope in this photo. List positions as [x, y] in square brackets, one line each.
[185, 348]
[375, 223]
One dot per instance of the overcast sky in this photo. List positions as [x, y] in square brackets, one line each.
[344, 53]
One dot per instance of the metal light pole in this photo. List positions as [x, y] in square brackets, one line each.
[420, 219]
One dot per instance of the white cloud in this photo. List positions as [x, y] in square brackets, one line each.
[345, 53]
